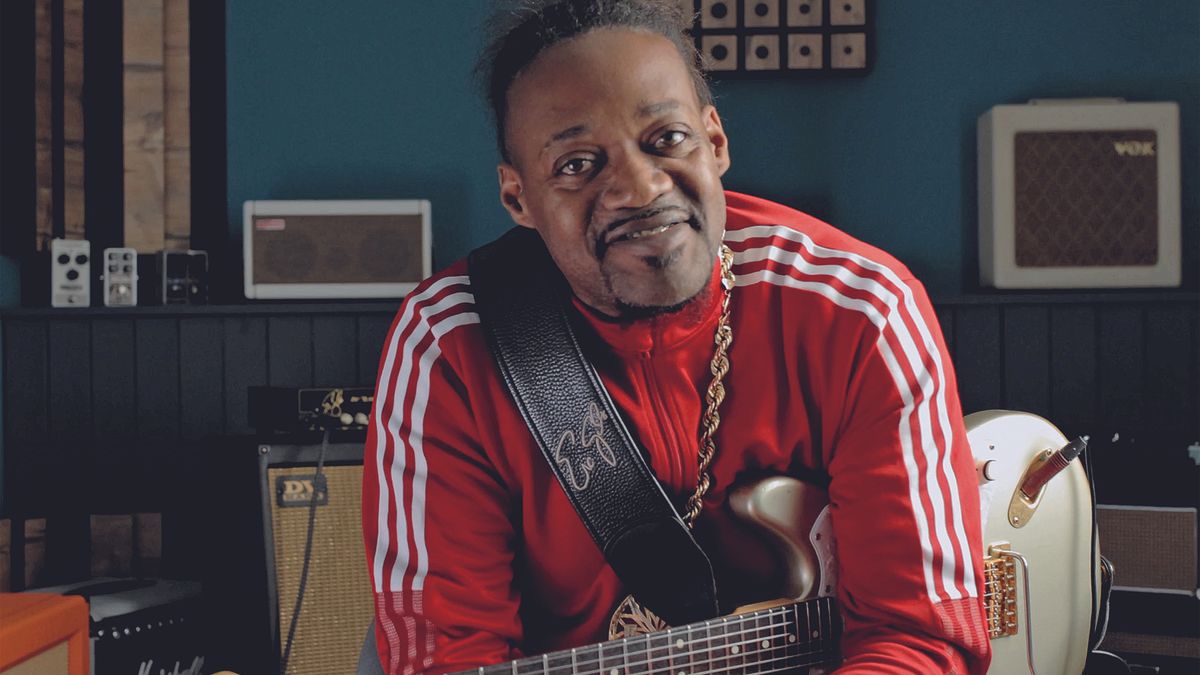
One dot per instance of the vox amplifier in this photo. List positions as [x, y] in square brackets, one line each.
[335, 249]
[1079, 194]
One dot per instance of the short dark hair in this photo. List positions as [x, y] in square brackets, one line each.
[520, 33]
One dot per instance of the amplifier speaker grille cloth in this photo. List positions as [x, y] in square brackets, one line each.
[1149, 547]
[337, 599]
[1081, 203]
[352, 249]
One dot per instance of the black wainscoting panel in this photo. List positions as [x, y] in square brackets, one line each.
[372, 331]
[945, 317]
[289, 351]
[104, 407]
[26, 399]
[112, 461]
[201, 384]
[1120, 368]
[335, 352]
[1073, 393]
[70, 380]
[113, 391]
[978, 355]
[245, 365]
[1170, 402]
[1027, 359]
[158, 396]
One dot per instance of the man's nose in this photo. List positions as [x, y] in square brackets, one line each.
[635, 180]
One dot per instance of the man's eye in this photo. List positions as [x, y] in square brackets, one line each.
[575, 166]
[670, 139]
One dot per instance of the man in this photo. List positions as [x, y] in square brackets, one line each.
[613, 153]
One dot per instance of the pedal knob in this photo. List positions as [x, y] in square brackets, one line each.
[361, 419]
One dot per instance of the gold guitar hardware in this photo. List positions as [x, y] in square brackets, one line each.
[1021, 508]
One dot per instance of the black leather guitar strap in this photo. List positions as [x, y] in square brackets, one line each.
[521, 298]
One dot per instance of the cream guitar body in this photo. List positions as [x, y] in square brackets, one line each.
[1052, 534]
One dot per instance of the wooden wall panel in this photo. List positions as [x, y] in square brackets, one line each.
[177, 155]
[977, 350]
[73, 131]
[200, 377]
[335, 352]
[289, 351]
[143, 126]
[245, 365]
[43, 106]
[1027, 359]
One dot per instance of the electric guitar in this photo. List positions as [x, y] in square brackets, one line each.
[1036, 507]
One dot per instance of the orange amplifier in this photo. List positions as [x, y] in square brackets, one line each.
[43, 633]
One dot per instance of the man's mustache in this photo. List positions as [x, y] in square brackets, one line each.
[602, 243]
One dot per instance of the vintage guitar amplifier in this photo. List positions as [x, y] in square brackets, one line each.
[1077, 194]
[335, 249]
[257, 541]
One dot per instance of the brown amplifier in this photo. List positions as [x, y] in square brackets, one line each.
[311, 249]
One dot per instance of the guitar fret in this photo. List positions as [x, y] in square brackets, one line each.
[659, 651]
[718, 649]
[637, 655]
[586, 660]
[559, 662]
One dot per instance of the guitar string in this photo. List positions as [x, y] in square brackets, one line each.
[699, 650]
[815, 649]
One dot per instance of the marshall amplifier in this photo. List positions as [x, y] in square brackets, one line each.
[335, 249]
[1078, 194]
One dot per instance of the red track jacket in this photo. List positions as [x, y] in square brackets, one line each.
[837, 366]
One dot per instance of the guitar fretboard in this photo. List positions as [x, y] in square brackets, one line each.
[767, 641]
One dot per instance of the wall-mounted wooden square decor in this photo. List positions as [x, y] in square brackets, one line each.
[755, 38]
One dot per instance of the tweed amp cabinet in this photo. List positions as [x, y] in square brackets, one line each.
[259, 542]
[309, 249]
[1079, 194]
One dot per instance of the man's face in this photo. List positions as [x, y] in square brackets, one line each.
[618, 167]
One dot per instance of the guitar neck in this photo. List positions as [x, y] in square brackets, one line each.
[769, 640]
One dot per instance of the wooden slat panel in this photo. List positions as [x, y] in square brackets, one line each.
[1120, 365]
[143, 126]
[73, 140]
[158, 396]
[1027, 360]
[977, 346]
[43, 122]
[289, 351]
[1073, 394]
[372, 330]
[70, 381]
[245, 365]
[335, 354]
[200, 381]
[1170, 399]
[177, 127]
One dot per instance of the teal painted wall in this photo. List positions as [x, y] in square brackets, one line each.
[327, 102]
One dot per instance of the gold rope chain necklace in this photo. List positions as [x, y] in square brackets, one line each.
[630, 617]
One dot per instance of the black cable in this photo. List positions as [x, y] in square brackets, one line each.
[318, 488]
[1087, 465]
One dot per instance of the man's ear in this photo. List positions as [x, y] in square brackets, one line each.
[512, 195]
[716, 136]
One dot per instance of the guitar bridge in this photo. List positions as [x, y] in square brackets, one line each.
[1000, 591]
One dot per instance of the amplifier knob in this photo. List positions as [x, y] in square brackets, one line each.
[361, 419]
